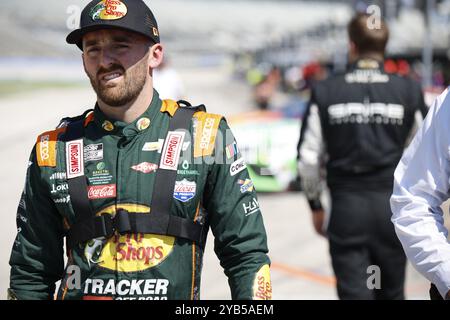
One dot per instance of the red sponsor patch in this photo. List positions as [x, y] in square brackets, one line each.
[102, 191]
[145, 167]
[74, 159]
[172, 149]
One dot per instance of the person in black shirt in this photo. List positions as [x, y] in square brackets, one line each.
[353, 135]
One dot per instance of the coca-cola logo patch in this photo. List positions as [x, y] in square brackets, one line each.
[102, 191]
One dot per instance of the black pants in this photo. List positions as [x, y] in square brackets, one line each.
[361, 235]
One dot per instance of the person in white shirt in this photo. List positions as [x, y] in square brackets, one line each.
[168, 83]
[421, 185]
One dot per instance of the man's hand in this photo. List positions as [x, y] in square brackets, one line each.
[318, 217]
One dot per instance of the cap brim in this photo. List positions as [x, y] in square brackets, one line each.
[76, 36]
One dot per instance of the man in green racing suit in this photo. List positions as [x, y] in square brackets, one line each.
[134, 186]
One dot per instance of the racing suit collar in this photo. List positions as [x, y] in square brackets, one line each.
[367, 64]
[120, 128]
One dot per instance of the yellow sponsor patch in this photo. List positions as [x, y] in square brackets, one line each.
[170, 106]
[262, 287]
[205, 133]
[134, 252]
[46, 148]
[205, 128]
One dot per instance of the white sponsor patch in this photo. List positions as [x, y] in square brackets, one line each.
[356, 112]
[59, 188]
[153, 146]
[58, 176]
[186, 145]
[184, 190]
[172, 149]
[125, 287]
[251, 207]
[237, 166]
[145, 167]
[22, 204]
[63, 200]
[74, 159]
[93, 152]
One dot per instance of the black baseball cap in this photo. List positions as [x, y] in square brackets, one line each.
[130, 15]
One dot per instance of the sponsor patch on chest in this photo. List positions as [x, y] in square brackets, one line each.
[172, 149]
[93, 152]
[74, 159]
[184, 190]
[153, 146]
[145, 167]
[102, 191]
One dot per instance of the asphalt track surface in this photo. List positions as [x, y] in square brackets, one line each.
[301, 266]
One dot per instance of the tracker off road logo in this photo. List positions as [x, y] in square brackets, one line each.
[108, 10]
[133, 252]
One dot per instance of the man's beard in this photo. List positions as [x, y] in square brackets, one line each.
[124, 92]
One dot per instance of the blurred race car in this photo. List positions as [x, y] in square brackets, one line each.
[268, 142]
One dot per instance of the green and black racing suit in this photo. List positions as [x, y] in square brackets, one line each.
[120, 162]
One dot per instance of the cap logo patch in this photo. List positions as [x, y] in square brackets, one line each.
[108, 10]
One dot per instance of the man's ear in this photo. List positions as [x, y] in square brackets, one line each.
[156, 56]
[352, 51]
[84, 64]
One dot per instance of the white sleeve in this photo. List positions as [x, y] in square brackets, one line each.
[421, 185]
[311, 149]
[418, 120]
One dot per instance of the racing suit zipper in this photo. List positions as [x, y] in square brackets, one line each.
[120, 147]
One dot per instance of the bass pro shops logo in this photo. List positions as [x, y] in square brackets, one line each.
[135, 252]
[108, 10]
[262, 287]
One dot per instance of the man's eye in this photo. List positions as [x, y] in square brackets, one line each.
[92, 50]
[122, 46]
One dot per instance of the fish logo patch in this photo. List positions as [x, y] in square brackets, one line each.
[108, 10]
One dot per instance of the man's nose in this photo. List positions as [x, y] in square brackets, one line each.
[106, 58]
